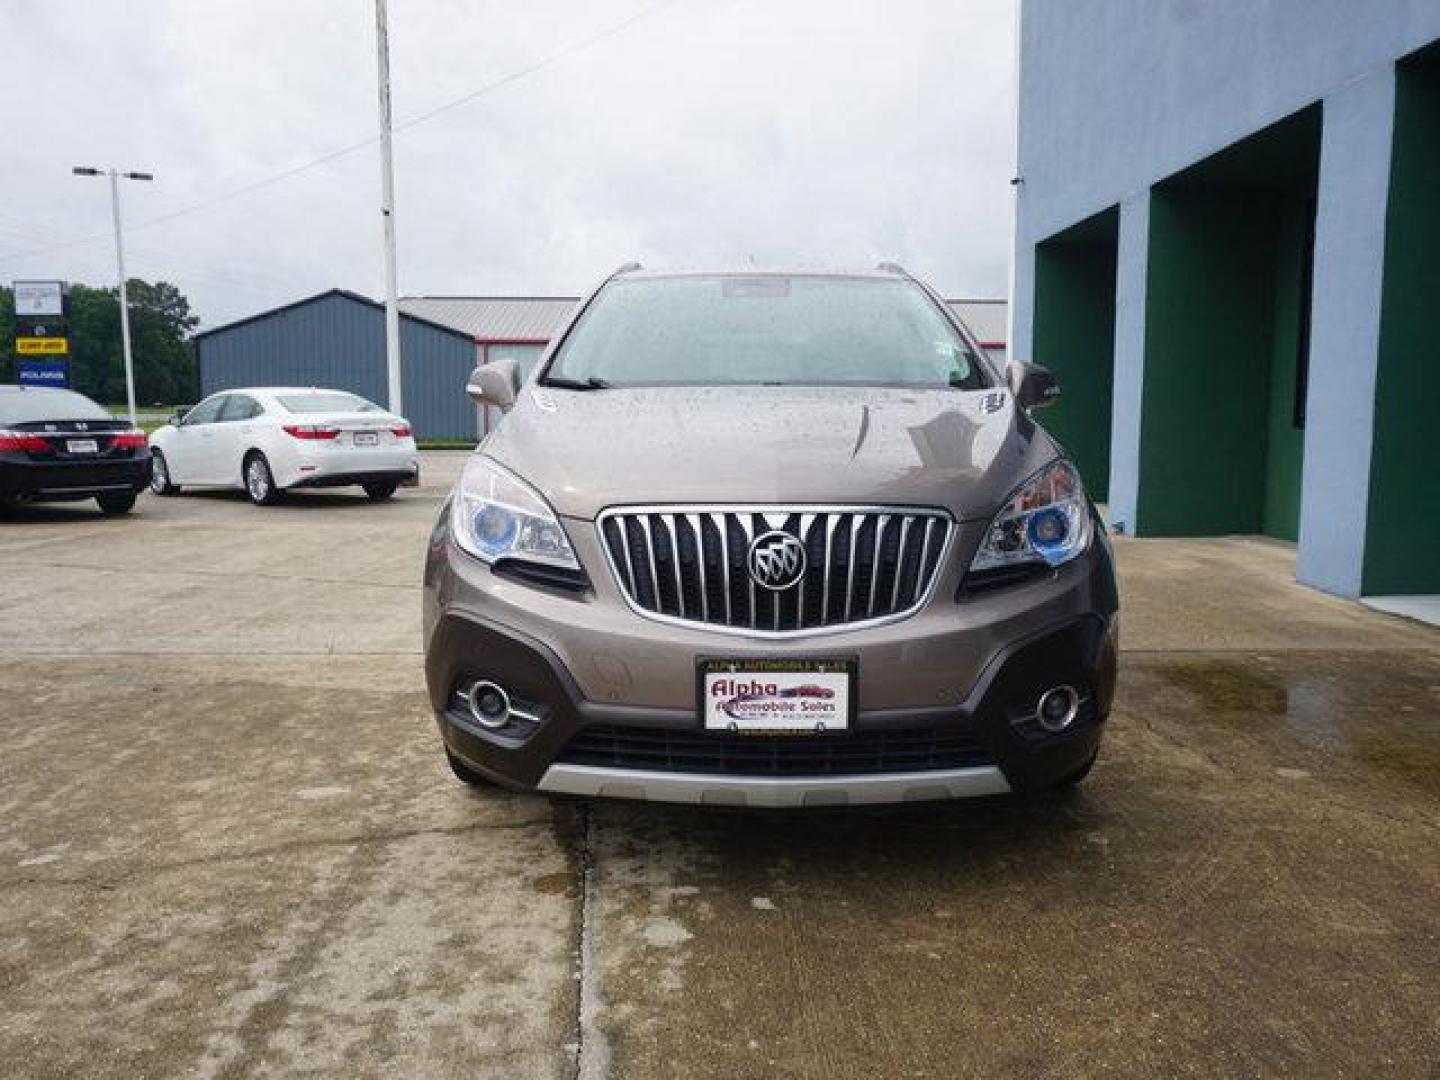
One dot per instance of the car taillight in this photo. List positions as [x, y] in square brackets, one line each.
[128, 440]
[401, 431]
[311, 431]
[23, 440]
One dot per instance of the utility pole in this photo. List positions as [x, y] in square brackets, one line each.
[1017, 182]
[387, 213]
[115, 175]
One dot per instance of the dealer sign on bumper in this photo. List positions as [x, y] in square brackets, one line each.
[776, 696]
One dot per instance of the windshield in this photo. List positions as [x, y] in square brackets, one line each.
[798, 330]
[24, 406]
[326, 401]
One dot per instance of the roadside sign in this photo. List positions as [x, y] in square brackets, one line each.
[39, 298]
[44, 373]
[42, 346]
[42, 326]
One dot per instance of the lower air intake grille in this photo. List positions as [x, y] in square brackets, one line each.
[720, 754]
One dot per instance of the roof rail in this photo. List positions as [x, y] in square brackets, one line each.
[892, 268]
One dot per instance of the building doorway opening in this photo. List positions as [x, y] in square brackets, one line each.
[1403, 516]
[1227, 342]
[1074, 336]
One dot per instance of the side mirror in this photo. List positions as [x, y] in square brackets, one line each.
[494, 384]
[177, 417]
[1033, 386]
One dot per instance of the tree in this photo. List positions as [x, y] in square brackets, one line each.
[160, 327]
[8, 371]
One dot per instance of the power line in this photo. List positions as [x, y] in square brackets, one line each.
[269, 181]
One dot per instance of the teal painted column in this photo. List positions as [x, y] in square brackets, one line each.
[1131, 265]
[1345, 331]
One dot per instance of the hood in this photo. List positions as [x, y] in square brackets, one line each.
[589, 450]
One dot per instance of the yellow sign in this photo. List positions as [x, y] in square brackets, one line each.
[42, 346]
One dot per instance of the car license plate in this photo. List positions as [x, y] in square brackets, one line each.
[769, 696]
[367, 438]
[82, 446]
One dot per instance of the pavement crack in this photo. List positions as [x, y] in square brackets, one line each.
[592, 1048]
[108, 882]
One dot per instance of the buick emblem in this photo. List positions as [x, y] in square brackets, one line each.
[777, 560]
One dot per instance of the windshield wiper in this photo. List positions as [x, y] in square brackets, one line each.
[562, 383]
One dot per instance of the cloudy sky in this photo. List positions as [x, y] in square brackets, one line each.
[701, 131]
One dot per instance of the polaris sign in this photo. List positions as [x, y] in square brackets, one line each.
[44, 373]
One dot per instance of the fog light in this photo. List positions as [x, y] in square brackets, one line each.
[489, 704]
[1057, 708]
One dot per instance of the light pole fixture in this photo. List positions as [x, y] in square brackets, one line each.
[115, 177]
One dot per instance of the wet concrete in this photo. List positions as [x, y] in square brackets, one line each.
[229, 846]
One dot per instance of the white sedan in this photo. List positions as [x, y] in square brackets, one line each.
[267, 440]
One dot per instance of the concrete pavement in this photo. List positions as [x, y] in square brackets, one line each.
[229, 845]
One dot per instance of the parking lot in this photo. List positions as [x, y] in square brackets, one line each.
[230, 845]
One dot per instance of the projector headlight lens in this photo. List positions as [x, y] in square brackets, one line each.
[496, 515]
[1046, 519]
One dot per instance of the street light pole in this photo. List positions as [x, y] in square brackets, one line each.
[124, 297]
[115, 175]
[387, 213]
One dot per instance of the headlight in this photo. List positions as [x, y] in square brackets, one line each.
[1046, 519]
[496, 515]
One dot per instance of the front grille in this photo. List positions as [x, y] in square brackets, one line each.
[722, 754]
[693, 564]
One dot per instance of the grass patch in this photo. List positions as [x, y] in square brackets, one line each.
[445, 444]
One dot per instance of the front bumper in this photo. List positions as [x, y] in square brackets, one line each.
[963, 674]
[72, 479]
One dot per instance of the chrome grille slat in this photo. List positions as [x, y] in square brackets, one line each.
[807, 523]
[629, 563]
[650, 547]
[718, 520]
[693, 520]
[880, 526]
[747, 526]
[850, 564]
[901, 548]
[899, 563]
[925, 547]
[672, 523]
[831, 522]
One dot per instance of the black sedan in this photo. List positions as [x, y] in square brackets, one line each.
[57, 445]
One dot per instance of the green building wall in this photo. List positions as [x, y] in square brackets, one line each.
[1074, 336]
[1207, 348]
[1227, 309]
[1402, 536]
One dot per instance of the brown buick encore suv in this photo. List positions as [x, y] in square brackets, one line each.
[770, 539]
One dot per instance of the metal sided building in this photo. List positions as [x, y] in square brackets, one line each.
[1228, 247]
[986, 319]
[515, 328]
[337, 339]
